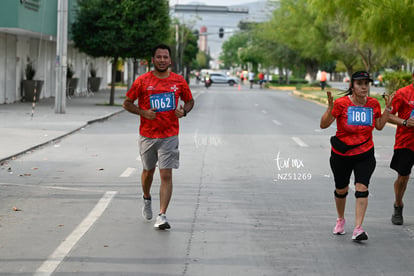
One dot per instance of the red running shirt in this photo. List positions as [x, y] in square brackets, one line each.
[403, 104]
[163, 94]
[354, 133]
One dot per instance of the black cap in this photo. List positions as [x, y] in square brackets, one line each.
[361, 75]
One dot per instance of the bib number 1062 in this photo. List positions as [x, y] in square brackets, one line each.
[163, 101]
[359, 116]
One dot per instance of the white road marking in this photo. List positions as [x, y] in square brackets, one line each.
[50, 265]
[127, 172]
[300, 142]
[276, 122]
[52, 187]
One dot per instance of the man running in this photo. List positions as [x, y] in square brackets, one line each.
[403, 158]
[158, 92]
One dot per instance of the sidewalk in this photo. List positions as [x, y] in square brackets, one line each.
[20, 132]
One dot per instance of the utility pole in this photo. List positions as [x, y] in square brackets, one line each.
[61, 56]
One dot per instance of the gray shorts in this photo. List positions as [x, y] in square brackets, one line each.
[162, 150]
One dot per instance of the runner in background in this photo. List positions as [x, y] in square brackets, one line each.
[323, 80]
[251, 78]
[261, 79]
[403, 158]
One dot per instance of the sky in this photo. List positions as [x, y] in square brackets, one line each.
[213, 2]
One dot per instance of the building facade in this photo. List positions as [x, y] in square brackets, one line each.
[210, 19]
[28, 32]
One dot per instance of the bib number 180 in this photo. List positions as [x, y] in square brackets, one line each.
[162, 102]
[359, 116]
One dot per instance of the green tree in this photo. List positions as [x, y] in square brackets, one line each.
[294, 25]
[187, 50]
[190, 53]
[274, 52]
[231, 49]
[390, 25]
[203, 60]
[120, 29]
[376, 29]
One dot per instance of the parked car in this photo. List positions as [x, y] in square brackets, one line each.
[221, 78]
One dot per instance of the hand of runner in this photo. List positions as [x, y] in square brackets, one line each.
[150, 114]
[410, 122]
[179, 112]
[388, 100]
[330, 99]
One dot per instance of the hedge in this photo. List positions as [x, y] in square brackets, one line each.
[396, 80]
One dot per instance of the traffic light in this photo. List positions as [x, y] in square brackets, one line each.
[196, 33]
[221, 32]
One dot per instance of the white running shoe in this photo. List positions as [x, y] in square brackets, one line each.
[147, 210]
[162, 222]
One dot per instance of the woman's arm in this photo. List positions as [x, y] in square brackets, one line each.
[381, 121]
[327, 118]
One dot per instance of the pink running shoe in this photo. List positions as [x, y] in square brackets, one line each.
[339, 227]
[359, 234]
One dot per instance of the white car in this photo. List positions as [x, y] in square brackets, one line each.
[221, 78]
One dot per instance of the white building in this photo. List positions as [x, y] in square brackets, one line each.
[28, 31]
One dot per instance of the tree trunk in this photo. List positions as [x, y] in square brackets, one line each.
[366, 59]
[312, 67]
[112, 95]
[187, 73]
[130, 73]
[135, 69]
[287, 76]
[280, 74]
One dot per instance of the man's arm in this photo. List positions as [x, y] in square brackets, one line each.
[134, 109]
[189, 105]
[182, 111]
[394, 119]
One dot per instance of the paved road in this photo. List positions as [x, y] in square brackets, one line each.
[253, 196]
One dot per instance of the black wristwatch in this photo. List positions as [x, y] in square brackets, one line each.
[185, 112]
[405, 123]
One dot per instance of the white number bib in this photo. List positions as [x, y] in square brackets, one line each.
[360, 116]
[163, 101]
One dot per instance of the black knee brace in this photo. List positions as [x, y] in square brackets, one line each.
[339, 195]
[359, 194]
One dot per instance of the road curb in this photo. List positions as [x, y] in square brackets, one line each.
[312, 98]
